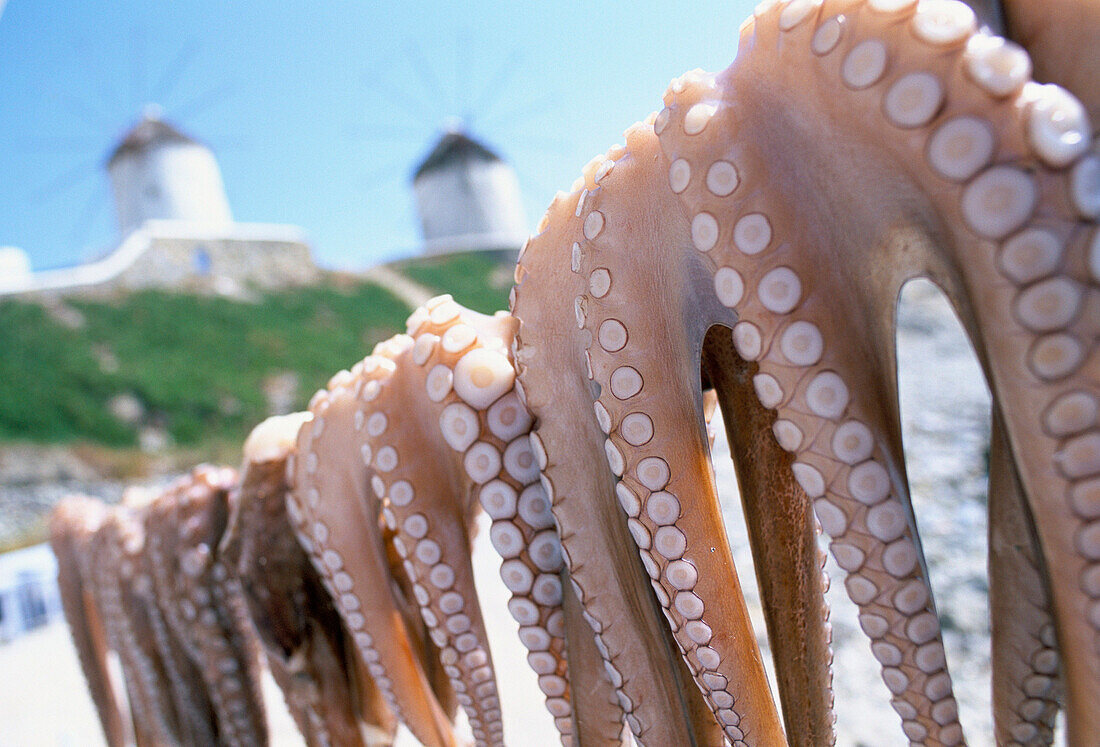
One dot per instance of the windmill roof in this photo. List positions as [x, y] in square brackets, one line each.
[149, 132]
[454, 147]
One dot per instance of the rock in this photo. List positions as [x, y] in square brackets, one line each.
[126, 408]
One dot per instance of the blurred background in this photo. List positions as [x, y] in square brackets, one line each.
[319, 114]
[208, 208]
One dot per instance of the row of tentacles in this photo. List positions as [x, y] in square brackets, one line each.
[388, 534]
[578, 425]
[146, 583]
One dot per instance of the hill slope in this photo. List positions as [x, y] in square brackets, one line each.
[191, 369]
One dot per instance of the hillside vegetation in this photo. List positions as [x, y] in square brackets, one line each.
[191, 368]
[477, 280]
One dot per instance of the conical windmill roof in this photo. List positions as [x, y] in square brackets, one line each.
[454, 147]
[150, 132]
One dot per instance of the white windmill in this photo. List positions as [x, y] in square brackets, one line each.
[467, 197]
[159, 173]
[466, 192]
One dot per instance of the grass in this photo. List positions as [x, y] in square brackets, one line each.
[477, 280]
[197, 364]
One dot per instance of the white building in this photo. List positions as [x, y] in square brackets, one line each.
[467, 198]
[29, 596]
[158, 173]
[15, 267]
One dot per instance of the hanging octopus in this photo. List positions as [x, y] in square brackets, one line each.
[744, 249]
[752, 238]
[145, 583]
[328, 692]
[403, 451]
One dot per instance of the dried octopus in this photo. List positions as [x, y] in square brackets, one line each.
[722, 256]
[146, 584]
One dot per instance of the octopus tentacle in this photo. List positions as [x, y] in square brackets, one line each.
[597, 713]
[792, 582]
[425, 649]
[554, 370]
[1001, 169]
[72, 525]
[202, 603]
[1026, 692]
[335, 514]
[432, 537]
[1027, 219]
[331, 698]
[654, 441]
[833, 396]
[115, 554]
[183, 680]
[468, 375]
[1044, 375]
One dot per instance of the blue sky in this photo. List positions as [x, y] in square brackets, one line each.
[318, 111]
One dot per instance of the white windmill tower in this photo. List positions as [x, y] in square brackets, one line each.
[467, 197]
[159, 173]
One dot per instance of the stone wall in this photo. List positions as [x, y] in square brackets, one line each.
[181, 262]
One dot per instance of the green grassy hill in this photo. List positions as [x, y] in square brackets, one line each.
[200, 368]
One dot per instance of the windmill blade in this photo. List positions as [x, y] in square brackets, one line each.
[544, 144]
[232, 144]
[491, 93]
[137, 66]
[371, 131]
[461, 67]
[93, 118]
[434, 88]
[86, 219]
[107, 95]
[521, 114]
[64, 181]
[55, 143]
[204, 101]
[173, 72]
[381, 177]
[410, 105]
